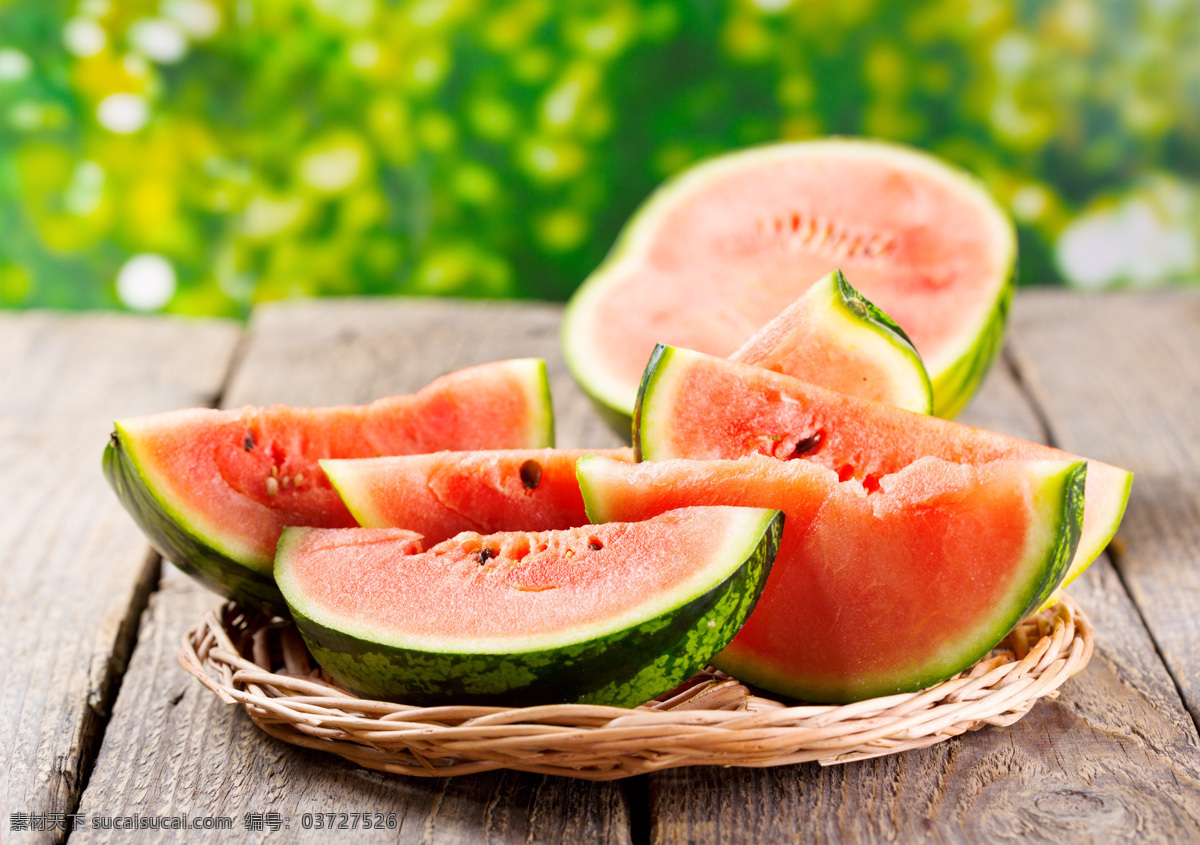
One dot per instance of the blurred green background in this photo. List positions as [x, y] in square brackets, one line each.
[202, 155]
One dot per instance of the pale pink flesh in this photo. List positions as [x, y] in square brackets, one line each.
[724, 262]
[536, 583]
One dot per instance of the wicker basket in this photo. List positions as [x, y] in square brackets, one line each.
[261, 663]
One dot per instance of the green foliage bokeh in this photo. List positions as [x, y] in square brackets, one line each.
[479, 148]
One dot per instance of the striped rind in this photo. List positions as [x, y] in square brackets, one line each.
[171, 537]
[915, 391]
[623, 667]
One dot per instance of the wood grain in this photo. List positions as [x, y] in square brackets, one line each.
[1118, 378]
[76, 570]
[1115, 756]
[171, 747]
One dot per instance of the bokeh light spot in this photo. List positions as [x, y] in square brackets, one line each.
[123, 114]
[14, 65]
[83, 37]
[146, 282]
[159, 40]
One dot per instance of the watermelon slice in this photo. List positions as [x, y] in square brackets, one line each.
[603, 614]
[441, 494]
[834, 337]
[698, 406]
[212, 490]
[873, 593]
[721, 249]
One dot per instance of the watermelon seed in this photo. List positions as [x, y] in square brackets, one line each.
[531, 474]
[287, 481]
[808, 445]
[248, 443]
[485, 555]
[298, 479]
[595, 545]
[272, 487]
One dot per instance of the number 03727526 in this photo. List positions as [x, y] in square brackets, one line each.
[348, 821]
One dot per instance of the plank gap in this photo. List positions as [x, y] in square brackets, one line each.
[1009, 361]
[637, 797]
[1116, 555]
[102, 699]
[1114, 549]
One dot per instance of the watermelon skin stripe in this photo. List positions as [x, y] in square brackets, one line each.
[956, 385]
[214, 569]
[623, 669]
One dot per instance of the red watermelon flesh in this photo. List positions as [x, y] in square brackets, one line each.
[872, 593]
[699, 406]
[216, 488]
[444, 493]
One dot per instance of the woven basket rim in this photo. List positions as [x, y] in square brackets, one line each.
[260, 663]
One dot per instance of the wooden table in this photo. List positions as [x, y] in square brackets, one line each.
[98, 720]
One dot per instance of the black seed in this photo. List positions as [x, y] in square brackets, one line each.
[808, 445]
[595, 545]
[531, 474]
[485, 555]
[248, 443]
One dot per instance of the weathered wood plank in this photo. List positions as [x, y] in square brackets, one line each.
[171, 747]
[1115, 756]
[76, 570]
[1118, 377]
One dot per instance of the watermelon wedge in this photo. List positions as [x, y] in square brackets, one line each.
[833, 336]
[603, 614]
[873, 593]
[693, 405]
[212, 490]
[441, 494]
[721, 249]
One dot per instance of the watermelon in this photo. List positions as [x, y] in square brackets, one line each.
[873, 593]
[693, 405]
[603, 614]
[212, 490]
[833, 336]
[724, 247]
[441, 494]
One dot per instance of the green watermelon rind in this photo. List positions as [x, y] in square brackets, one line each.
[168, 532]
[956, 385]
[226, 570]
[953, 383]
[621, 668]
[858, 309]
[1058, 500]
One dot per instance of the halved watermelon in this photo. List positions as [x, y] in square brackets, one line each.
[873, 593]
[833, 336]
[693, 405]
[721, 249]
[441, 494]
[212, 490]
[603, 614]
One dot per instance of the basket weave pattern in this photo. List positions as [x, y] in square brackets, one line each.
[262, 664]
